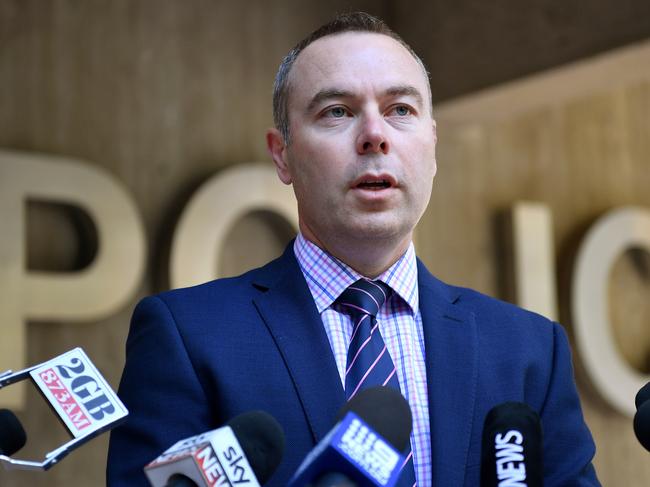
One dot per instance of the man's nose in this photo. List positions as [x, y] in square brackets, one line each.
[372, 136]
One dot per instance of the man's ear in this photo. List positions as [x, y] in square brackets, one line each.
[278, 151]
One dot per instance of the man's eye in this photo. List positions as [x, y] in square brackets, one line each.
[402, 111]
[336, 112]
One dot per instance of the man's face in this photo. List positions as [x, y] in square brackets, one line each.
[361, 156]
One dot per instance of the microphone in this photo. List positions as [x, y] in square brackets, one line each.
[511, 449]
[642, 416]
[363, 448]
[12, 433]
[247, 450]
[80, 397]
[178, 480]
[334, 480]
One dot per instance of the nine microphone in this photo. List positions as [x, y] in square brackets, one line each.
[642, 416]
[12, 434]
[245, 451]
[511, 451]
[334, 480]
[362, 450]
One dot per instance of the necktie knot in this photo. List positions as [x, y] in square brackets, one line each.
[364, 297]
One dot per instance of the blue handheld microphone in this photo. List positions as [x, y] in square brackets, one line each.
[363, 448]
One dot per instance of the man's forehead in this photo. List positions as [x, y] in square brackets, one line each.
[349, 57]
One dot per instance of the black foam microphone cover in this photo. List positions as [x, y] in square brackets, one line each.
[12, 433]
[642, 425]
[511, 448]
[642, 416]
[386, 411]
[262, 439]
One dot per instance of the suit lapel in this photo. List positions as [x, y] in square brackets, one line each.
[289, 312]
[451, 347]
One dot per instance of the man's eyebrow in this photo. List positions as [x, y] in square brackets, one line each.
[405, 90]
[327, 94]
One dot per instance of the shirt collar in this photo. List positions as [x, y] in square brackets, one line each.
[327, 277]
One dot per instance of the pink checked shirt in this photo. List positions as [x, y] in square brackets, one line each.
[400, 325]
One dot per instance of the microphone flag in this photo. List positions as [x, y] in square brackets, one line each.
[214, 458]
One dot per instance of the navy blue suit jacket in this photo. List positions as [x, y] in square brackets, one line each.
[196, 357]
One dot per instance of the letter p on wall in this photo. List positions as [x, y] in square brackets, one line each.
[105, 285]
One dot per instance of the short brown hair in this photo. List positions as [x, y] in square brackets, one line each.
[348, 22]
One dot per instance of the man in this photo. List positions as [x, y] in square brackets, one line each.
[356, 138]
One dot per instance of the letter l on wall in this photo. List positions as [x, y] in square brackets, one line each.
[534, 266]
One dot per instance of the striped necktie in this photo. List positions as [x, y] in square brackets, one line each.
[369, 363]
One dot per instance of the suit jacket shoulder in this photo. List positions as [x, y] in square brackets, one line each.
[197, 357]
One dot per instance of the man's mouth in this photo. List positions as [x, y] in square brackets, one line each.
[375, 184]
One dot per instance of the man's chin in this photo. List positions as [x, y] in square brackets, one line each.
[379, 230]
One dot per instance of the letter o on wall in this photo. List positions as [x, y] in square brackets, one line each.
[606, 240]
[213, 210]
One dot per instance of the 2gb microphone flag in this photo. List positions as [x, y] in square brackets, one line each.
[78, 393]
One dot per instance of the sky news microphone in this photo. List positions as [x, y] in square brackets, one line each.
[363, 449]
[642, 416]
[511, 450]
[246, 451]
[12, 433]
